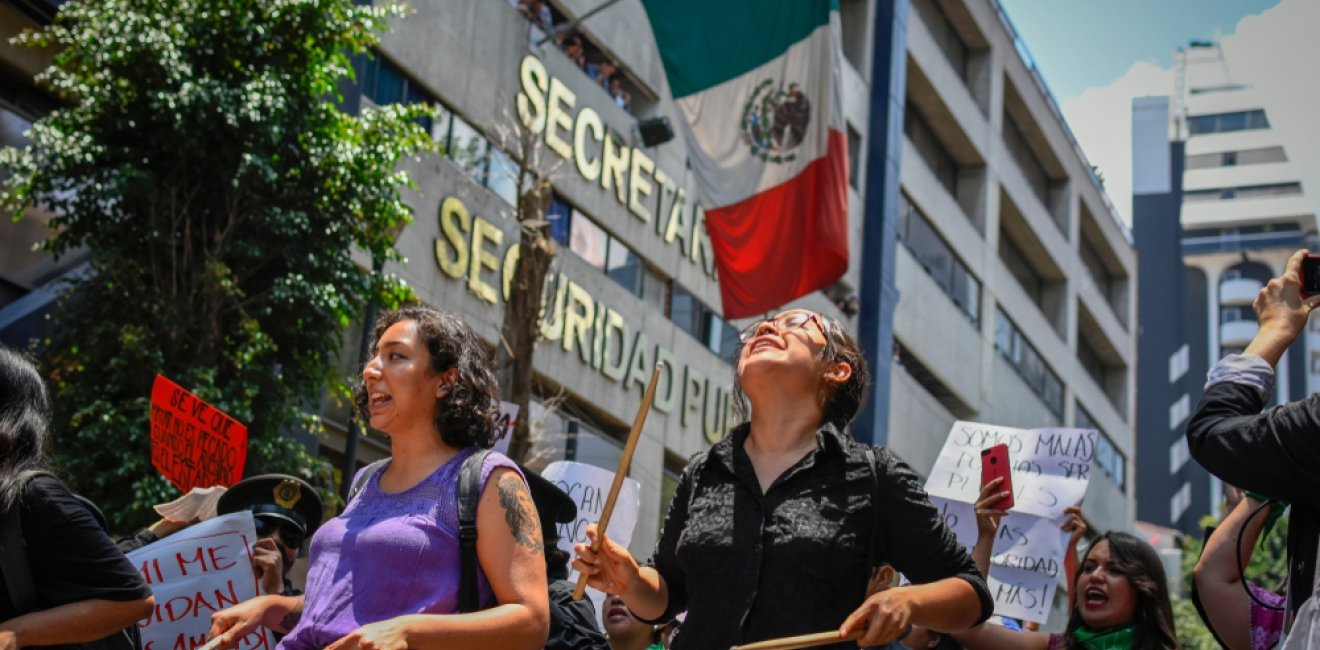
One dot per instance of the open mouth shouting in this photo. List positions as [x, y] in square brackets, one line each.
[1095, 598]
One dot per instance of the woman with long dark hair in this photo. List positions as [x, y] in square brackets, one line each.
[1121, 602]
[385, 572]
[82, 588]
[775, 531]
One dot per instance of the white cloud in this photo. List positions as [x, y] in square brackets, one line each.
[1274, 51]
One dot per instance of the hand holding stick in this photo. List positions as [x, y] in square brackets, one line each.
[624, 462]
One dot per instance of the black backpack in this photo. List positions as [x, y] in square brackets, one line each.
[17, 569]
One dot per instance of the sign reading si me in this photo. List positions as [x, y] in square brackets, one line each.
[194, 444]
[193, 574]
[1051, 467]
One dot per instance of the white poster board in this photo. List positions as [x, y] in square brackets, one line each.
[589, 486]
[195, 573]
[1050, 471]
[1051, 467]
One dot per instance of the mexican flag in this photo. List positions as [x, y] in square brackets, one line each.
[757, 85]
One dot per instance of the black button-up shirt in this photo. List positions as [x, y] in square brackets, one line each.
[749, 566]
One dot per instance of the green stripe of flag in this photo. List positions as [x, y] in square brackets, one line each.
[704, 43]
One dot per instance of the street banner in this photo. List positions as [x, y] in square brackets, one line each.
[1051, 467]
[758, 90]
[588, 486]
[194, 573]
[194, 444]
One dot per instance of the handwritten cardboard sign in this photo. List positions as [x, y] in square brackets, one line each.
[193, 574]
[194, 444]
[589, 486]
[1022, 594]
[1024, 544]
[1051, 467]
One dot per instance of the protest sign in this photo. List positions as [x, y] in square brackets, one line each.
[194, 444]
[960, 518]
[588, 486]
[508, 419]
[193, 574]
[1051, 467]
[1022, 594]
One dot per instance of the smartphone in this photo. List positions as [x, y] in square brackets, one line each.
[1310, 276]
[994, 464]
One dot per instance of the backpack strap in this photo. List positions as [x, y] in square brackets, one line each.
[13, 550]
[363, 478]
[469, 495]
[875, 513]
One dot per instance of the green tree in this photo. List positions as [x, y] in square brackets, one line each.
[229, 207]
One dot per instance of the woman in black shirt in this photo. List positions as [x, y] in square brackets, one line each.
[773, 532]
[84, 588]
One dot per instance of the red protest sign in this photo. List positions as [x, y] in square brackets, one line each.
[194, 444]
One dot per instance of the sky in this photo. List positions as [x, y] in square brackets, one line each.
[1097, 56]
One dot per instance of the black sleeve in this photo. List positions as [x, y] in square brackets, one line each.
[915, 537]
[1274, 452]
[665, 558]
[573, 623]
[72, 558]
[137, 540]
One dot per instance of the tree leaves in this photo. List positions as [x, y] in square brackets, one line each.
[202, 165]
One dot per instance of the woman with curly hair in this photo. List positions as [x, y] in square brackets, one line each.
[384, 574]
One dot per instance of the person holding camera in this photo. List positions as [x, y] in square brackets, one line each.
[1272, 452]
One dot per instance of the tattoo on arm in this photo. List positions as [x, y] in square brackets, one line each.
[518, 512]
[290, 620]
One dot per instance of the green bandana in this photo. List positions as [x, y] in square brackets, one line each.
[1116, 639]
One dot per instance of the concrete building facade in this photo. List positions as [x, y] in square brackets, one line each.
[995, 279]
[1242, 213]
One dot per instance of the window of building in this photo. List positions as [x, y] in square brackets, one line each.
[1027, 161]
[938, 259]
[1091, 361]
[1181, 500]
[468, 149]
[1178, 363]
[1096, 267]
[1027, 361]
[1233, 158]
[930, 148]
[624, 266]
[929, 381]
[855, 22]
[1178, 455]
[1243, 192]
[854, 158]
[1227, 122]
[1107, 457]
[946, 37]
[1022, 269]
[1178, 412]
[588, 240]
[701, 322]
[502, 176]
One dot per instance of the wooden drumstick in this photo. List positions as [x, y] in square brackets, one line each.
[803, 641]
[624, 462]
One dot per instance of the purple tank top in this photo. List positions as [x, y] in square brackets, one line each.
[387, 555]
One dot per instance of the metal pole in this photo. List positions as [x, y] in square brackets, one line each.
[349, 469]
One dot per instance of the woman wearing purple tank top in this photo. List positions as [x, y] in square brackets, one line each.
[384, 575]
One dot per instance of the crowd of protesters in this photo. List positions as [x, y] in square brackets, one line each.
[591, 60]
[787, 526]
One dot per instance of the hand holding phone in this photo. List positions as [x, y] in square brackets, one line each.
[995, 464]
[1310, 276]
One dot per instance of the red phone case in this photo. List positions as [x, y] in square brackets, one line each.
[995, 464]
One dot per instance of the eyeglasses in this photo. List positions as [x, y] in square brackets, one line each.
[290, 534]
[784, 322]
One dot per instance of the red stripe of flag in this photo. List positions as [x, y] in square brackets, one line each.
[787, 241]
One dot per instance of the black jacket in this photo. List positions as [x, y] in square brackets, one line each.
[1275, 453]
[748, 566]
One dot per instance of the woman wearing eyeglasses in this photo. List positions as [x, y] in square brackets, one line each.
[385, 573]
[774, 530]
